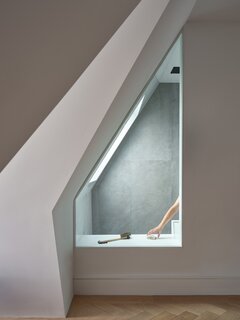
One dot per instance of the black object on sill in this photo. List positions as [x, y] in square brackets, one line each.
[123, 236]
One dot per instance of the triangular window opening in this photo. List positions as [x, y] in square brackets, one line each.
[139, 176]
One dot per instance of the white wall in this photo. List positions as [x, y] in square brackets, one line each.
[211, 145]
[209, 261]
[35, 276]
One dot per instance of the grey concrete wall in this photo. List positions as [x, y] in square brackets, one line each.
[83, 211]
[141, 181]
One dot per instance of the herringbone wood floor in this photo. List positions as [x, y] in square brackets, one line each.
[155, 308]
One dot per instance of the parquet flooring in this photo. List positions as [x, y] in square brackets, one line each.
[155, 308]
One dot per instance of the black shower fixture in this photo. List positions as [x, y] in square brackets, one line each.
[175, 70]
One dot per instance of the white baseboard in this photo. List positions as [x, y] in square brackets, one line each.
[156, 285]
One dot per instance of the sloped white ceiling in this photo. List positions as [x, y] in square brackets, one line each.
[45, 47]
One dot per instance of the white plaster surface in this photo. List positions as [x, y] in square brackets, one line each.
[31, 268]
[160, 40]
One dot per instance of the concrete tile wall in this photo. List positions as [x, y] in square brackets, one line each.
[141, 180]
[83, 215]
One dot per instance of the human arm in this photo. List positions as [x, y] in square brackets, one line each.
[167, 217]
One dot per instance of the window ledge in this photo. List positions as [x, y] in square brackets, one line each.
[137, 240]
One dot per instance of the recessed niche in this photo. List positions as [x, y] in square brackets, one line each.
[139, 176]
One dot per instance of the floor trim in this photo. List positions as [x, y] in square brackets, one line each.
[156, 285]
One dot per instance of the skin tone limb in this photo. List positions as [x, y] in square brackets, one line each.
[167, 217]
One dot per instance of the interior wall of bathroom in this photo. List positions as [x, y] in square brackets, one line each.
[83, 211]
[141, 180]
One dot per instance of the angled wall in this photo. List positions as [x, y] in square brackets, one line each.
[120, 58]
[154, 50]
[35, 251]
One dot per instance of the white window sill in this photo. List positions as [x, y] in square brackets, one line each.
[137, 240]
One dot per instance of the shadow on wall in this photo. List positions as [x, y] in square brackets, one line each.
[141, 181]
